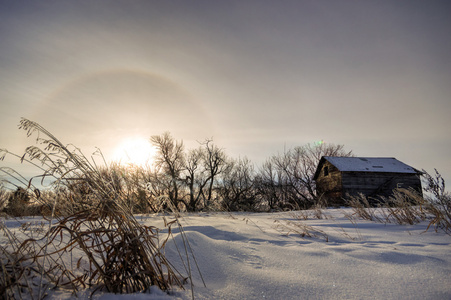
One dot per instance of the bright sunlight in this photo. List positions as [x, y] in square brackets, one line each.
[136, 151]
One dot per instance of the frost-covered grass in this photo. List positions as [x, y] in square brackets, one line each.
[293, 255]
[92, 239]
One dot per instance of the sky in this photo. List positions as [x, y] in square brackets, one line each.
[256, 76]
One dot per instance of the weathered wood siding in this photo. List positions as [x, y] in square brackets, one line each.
[335, 185]
[335, 180]
[329, 185]
[377, 184]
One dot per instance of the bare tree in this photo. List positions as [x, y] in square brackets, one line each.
[237, 186]
[170, 160]
[196, 179]
[299, 165]
[271, 186]
[215, 163]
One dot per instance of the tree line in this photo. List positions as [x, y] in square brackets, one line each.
[178, 179]
[207, 178]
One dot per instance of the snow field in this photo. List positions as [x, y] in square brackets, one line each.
[264, 256]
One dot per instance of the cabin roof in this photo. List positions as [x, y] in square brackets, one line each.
[367, 164]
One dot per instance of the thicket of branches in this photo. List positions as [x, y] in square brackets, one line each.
[204, 178]
[179, 179]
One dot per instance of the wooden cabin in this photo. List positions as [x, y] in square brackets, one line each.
[336, 177]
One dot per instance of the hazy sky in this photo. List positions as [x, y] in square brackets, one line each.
[257, 76]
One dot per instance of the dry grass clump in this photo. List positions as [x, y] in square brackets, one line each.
[440, 218]
[90, 224]
[123, 256]
[27, 272]
[4, 196]
[439, 204]
[362, 208]
[299, 228]
[111, 252]
[407, 207]
[316, 212]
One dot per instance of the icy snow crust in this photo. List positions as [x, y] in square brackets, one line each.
[264, 256]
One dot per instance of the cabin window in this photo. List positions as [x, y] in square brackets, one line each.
[326, 171]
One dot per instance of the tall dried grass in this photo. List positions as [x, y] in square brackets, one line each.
[439, 204]
[4, 195]
[299, 228]
[405, 207]
[362, 208]
[89, 216]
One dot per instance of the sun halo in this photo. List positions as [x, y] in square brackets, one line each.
[134, 151]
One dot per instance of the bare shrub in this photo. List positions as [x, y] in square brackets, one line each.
[236, 188]
[18, 204]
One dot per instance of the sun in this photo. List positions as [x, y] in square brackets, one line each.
[135, 151]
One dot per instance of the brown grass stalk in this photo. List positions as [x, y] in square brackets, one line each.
[91, 217]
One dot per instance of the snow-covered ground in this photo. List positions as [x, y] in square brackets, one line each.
[265, 256]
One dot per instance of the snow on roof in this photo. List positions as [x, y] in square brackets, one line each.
[370, 164]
